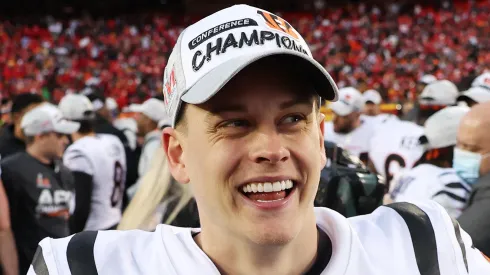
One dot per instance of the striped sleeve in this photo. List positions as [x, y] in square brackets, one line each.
[71, 255]
[453, 194]
[440, 245]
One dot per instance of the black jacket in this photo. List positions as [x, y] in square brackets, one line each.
[476, 218]
[9, 144]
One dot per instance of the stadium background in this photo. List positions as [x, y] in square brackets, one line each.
[337, 31]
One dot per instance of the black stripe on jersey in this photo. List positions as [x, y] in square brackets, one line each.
[423, 236]
[457, 230]
[457, 185]
[80, 253]
[38, 262]
[451, 195]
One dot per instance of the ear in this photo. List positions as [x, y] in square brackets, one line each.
[175, 155]
[321, 135]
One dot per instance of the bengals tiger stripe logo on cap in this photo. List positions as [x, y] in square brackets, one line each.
[277, 23]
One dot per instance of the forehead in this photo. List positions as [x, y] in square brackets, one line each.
[471, 132]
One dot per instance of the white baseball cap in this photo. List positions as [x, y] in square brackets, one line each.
[373, 96]
[478, 94]
[441, 92]
[76, 107]
[111, 103]
[209, 53]
[350, 100]
[441, 129]
[482, 80]
[427, 79]
[152, 108]
[47, 118]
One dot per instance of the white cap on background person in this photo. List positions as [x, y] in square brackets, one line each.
[482, 81]
[441, 129]
[111, 104]
[427, 79]
[46, 118]
[349, 100]
[372, 96]
[441, 92]
[76, 107]
[199, 66]
[152, 108]
[477, 94]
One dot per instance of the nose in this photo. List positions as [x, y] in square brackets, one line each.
[269, 149]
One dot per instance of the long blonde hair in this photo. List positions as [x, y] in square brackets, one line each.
[142, 212]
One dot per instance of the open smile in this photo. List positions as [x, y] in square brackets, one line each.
[268, 195]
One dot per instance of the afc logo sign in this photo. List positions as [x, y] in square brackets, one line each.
[169, 85]
[277, 23]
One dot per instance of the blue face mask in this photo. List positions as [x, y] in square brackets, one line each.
[467, 164]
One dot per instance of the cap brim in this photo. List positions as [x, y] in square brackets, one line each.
[136, 108]
[213, 81]
[66, 127]
[340, 108]
[478, 96]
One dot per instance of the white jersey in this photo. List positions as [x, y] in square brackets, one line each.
[395, 146]
[101, 156]
[396, 239]
[429, 182]
[356, 142]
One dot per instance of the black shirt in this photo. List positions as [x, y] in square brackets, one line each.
[39, 198]
[9, 144]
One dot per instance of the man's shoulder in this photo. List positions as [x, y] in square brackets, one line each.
[420, 232]
[110, 250]
[15, 159]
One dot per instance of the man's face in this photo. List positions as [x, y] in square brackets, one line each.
[53, 144]
[473, 137]
[261, 128]
[142, 122]
[344, 124]
[371, 109]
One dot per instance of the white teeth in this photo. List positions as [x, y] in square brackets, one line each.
[276, 187]
[268, 186]
[260, 187]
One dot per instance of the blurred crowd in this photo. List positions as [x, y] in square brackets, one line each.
[387, 49]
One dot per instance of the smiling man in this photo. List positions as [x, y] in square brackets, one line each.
[247, 136]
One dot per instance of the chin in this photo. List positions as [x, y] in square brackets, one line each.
[274, 234]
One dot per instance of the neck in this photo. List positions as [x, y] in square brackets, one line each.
[31, 150]
[76, 136]
[235, 255]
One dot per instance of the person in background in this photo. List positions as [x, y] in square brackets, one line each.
[129, 127]
[12, 137]
[395, 146]
[410, 109]
[372, 100]
[149, 114]
[98, 164]
[473, 96]
[8, 252]
[472, 162]
[39, 187]
[103, 125]
[349, 129]
[433, 178]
